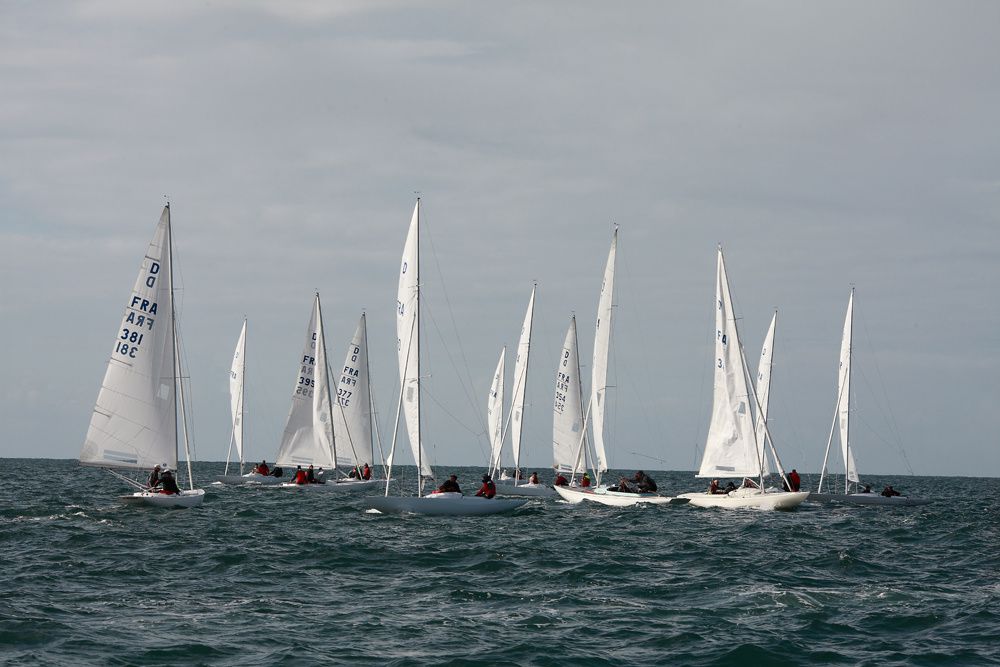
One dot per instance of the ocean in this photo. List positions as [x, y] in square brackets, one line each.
[282, 577]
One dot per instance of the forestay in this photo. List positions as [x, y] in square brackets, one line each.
[352, 426]
[494, 411]
[134, 423]
[730, 448]
[567, 409]
[308, 436]
[408, 340]
[602, 346]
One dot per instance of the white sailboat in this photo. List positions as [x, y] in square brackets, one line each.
[852, 494]
[134, 423]
[515, 420]
[408, 347]
[309, 438]
[732, 449]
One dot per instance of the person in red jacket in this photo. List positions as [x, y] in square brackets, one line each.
[794, 480]
[488, 489]
[262, 469]
[585, 482]
[560, 480]
[366, 472]
[300, 475]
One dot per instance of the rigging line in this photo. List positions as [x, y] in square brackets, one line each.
[454, 418]
[894, 427]
[458, 339]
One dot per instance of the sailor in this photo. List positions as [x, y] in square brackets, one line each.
[713, 488]
[533, 479]
[560, 480]
[488, 489]
[168, 482]
[450, 485]
[646, 483]
[262, 469]
[154, 477]
[585, 480]
[794, 480]
[300, 475]
[623, 487]
[889, 492]
[366, 472]
[310, 475]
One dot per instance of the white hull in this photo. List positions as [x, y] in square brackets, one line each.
[533, 490]
[748, 498]
[184, 499]
[250, 479]
[341, 485]
[614, 498]
[866, 499]
[441, 504]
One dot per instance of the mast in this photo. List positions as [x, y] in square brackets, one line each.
[420, 424]
[846, 428]
[243, 375]
[178, 381]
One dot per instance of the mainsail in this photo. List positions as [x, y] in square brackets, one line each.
[602, 346]
[408, 340]
[236, 390]
[730, 448]
[844, 392]
[494, 412]
[134, 423]
[308, 436]
[567, 409]
[763, 388]
[521, 381]
[352, 423]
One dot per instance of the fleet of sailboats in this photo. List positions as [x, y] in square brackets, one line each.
[139, 420]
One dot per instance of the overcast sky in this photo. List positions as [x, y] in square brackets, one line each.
[823, 144]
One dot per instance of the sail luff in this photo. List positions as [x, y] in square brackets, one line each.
[134, 423]
[602, 347]
[521, 381]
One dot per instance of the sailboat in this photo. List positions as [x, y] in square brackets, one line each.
[567, 412]
[852, 493]
[732, 448]
[515, 419]
[135, 420]
[408, 356]
[309, 438]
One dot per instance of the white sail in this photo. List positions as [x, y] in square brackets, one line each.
[408, 340]
[763, 388]
[308, 436]
[844, 391]
[134, 423]
[521, 381]
[494, 411]
[730, 448]
[236, 373]
[602, 345]
[567, 410]
[352, 424]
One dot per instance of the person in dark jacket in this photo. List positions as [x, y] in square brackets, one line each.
[310, 475]
[450, 485]
[154, 478]
[646, 483]
[168, 482]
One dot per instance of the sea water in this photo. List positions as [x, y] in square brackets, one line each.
[266, 576]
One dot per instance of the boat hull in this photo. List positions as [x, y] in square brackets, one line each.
[189, 498]
[339, 486]
[441, 504]
[251, 479]
[614, 498]
[530, 490]
[867, 499]
[749, 499]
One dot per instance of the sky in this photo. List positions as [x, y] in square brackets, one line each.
[825, 145]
